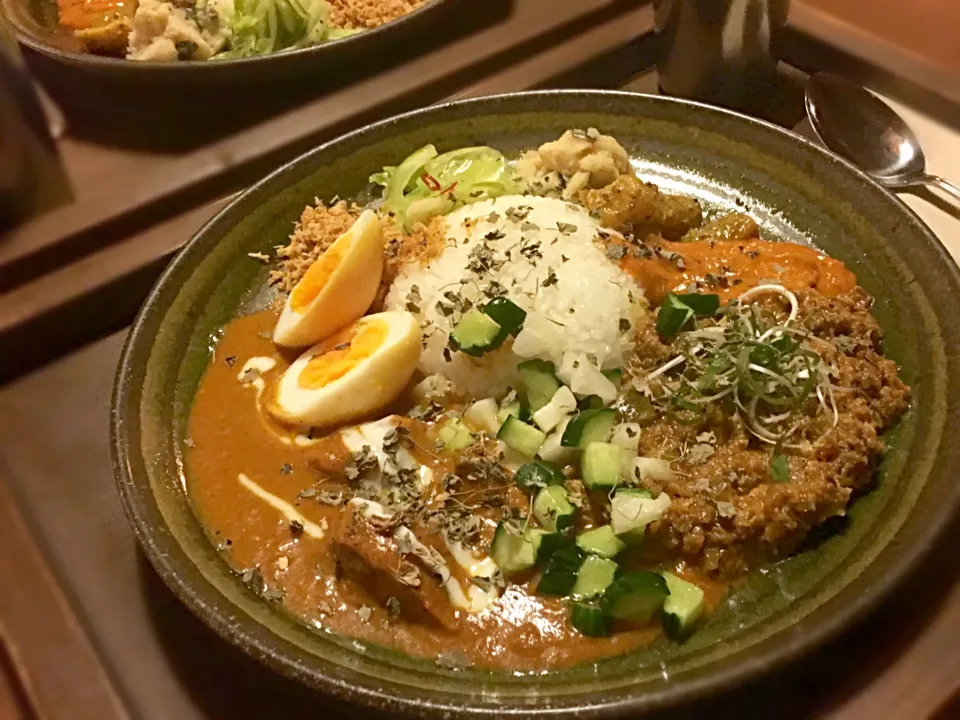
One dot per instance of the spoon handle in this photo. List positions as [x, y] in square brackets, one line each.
[944, 185]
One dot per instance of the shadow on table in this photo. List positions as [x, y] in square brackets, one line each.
[147, 111]
[225, 682]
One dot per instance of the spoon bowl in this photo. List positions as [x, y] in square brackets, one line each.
[859, 127]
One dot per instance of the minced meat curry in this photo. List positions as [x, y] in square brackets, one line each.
[596, 492]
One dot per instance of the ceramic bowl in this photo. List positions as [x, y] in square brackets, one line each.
[796, 190]
[37, 26]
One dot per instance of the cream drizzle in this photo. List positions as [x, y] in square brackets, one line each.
[286, 509]
[475, 599]
[261, 364]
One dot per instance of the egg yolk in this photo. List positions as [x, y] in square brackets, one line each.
[318, 275]
[343, 352]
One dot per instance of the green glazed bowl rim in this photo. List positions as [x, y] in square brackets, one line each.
[284, 656]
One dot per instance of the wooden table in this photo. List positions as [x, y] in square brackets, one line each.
[88, 629]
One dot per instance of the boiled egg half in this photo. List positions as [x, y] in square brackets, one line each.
[337, 289]
[361, 369]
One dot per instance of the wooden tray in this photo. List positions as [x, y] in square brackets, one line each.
[913, 40]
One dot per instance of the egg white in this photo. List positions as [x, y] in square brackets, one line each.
[370, 385]
[348, 292]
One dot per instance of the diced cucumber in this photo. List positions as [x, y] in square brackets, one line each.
[525, 439]
[626, 469]
[589, 619]
[594, 576]
[589, 426]
[683, 607]
[635, 597]
[538, 381]
[455, 436]
[476, 333]
[546, 543]
[560, 572]
[600, 541]
[615, 376]
[590, 402]
[510, 458]
[673, 316]
[602, 465]
[635, 535]
[512, 550]
[508, 314]
[483, 415]
[538, 474]
[631, 510]
[552, 507]
[510, 405]
[562, 404]
[553, 451]
[627, 436]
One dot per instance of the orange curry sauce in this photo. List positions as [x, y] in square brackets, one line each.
[86, 14]
[730, 268]
[232, 435]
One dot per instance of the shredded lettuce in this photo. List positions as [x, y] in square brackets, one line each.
[265, 26]
[428, 184]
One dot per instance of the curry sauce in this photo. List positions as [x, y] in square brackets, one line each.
[728, 269]
[527, 433]
[230, 437]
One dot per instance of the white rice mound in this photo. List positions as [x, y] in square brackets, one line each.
[576, 298]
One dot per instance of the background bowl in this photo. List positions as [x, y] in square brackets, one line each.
[37, 26]
[796, 190]
[166, 105]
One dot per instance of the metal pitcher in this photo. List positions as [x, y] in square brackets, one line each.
[718, 51]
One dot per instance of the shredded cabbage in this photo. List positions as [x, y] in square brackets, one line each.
[265, 26]
[427, 184]
[338, 33]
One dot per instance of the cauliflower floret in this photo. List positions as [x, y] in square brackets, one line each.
[165, 32]
[602, 168]
[531, 173]
[609, 145]
[529, 164]
[564, 154]
[573, 162]
[575, 184]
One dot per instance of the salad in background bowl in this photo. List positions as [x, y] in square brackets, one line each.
[180, 30]
[179, 44]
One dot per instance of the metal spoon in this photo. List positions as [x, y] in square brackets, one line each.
[859, 126]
